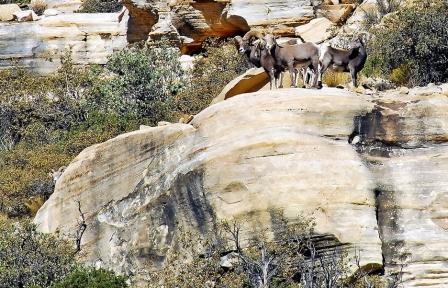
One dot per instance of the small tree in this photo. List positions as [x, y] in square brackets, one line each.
[29, 258]
[140, 81]
[91, 278]
[412, 44]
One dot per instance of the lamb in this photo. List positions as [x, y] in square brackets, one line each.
[290, 56]
[351, 60]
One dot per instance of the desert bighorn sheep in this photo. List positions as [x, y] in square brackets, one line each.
[247, 45]
[252, 44]
[351, 60]
[292, 56]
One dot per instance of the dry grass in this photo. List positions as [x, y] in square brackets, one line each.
[33, 204]
[38, 6]
[334, 79]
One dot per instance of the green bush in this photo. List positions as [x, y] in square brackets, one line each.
[100, 6]
[414, 37]
[31, 259]
[25, 169]
[140, 82]
[91, 278]
[14, 1]
[218, 66]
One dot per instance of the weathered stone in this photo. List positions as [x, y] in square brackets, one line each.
[51, 12]
[240, 158]
[7, 11]
[285, 149]
[316, 31]
[39, 44]
[252, 80]
[194, 21]
[444, 88]
[24, 16]
[336, 13]
[187, 62]
[64, 5]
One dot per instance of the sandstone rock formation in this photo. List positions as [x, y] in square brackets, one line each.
[38, 45]
[190, 22]
[7, 11]
[186, 23]
[370, 169]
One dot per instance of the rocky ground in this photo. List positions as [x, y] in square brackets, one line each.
[370, 168]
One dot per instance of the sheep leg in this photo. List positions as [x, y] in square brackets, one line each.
[315, 65]
[281, 80]
[307, 76]
[354, 75]
[303, 76]
[292, 74]
[271, 78]
[322, 67]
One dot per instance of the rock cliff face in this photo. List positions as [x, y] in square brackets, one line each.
[190, 22]
[370, 169]
[38, 45]
[92, 37]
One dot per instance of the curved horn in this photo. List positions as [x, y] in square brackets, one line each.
[301, 38]
[252, 33]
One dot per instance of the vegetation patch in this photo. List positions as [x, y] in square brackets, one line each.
[410, 45]
[100, 6]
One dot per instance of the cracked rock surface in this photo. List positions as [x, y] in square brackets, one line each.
[288, 149]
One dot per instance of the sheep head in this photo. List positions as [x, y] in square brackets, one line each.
[240, 44]
[271, 42]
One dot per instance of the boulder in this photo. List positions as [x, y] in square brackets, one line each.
[369, 168]
[187, 62]
[191, 22]
[51, 12]
[24, 16]
[7, 11]
[242, 157]
[336, 13]
[317, 30]
[65, 6]
[38, 45]
[252, 80]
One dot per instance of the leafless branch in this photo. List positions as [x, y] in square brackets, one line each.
[81, 228]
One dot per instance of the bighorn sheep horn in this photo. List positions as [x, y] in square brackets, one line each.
[253, 33]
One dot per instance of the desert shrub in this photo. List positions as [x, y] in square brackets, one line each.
[25, 169]
[334, 78]
[401, 75]
[31, 259]
[216, 68]
[33, 108]
[414, 37]
[14, 1]
[292, 253]
[83, 277]
[100, 6]
[141, 82]
[38, 6]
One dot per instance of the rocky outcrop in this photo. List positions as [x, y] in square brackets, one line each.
[369, 168]
[186, 23]
[190, 22]
[38, 45]
[7, 11]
